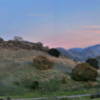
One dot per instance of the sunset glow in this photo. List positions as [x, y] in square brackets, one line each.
[56, 23]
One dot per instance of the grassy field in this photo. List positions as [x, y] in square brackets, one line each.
[38, 94]
[18, 73]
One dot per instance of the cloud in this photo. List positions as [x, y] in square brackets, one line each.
[91, 31]
[83, 31]
[91, 27]
[37, 15]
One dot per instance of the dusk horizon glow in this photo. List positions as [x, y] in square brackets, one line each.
[55, 23]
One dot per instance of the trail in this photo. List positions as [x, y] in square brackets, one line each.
[59, 97]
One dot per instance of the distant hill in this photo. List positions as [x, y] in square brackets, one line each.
[81, 54]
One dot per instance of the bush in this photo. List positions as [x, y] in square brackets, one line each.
[93, 62]
[18, 38]
[84, 72]
[1, 40]
[42, 63]
[29, 84]
[64, 80]
[54, 52]
[52, 85]
[34, 85]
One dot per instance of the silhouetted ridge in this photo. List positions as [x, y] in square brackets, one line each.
[21, 44]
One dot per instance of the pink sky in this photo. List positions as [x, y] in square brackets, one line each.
[56, 23]
[81, 37]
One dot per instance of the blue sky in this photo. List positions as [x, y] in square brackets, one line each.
[57, 23]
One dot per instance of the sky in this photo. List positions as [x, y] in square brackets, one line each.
[55, 23]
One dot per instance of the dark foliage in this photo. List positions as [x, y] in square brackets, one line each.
[54, 52]
[30, 84]
[8, 98]
[64, 80]
[34, 85]
[1, 39]
[93, 62]
[1, 99]
[97, 95]
[84, 72]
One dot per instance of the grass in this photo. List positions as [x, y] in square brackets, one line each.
[36, 94]
[16, 68]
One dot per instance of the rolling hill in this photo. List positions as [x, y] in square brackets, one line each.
[17, 70]
[19, 74]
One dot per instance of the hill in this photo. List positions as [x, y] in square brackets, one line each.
[22, 44]
[18, 70]
[19, 75]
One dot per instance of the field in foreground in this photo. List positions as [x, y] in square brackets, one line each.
[18, 72]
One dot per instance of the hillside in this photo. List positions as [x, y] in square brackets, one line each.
[16, 67]
[19, 74]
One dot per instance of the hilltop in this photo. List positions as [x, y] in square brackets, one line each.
[18, 43]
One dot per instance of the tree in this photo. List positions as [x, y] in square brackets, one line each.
[54, 52]
[1, 39]
[17, 38]
[93, 62]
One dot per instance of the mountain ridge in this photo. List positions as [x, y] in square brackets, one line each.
[81, 54]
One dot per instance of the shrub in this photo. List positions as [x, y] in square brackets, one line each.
[8, 98]
[52, 85]
[18, 38]
[34, 85]
[39, 44]
[29, 84]
[1, 40]
[54, 52]
[84, 72]
[42, 63]
[93, 62]
[64, 80]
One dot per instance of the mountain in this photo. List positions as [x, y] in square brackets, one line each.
[81, 54]
[63, 52]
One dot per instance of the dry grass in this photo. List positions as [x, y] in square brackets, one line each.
[17, 65]
[20, 61]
